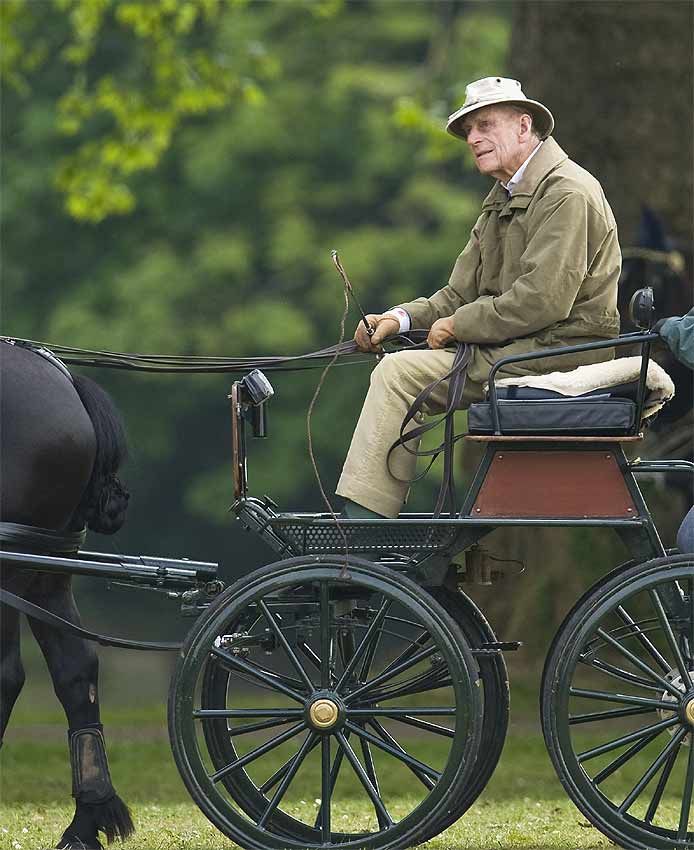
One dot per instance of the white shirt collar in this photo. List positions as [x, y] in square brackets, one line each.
[515, 180]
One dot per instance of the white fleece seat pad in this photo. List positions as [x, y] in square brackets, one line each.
[602, 376]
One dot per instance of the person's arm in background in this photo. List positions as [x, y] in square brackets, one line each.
[678, 334]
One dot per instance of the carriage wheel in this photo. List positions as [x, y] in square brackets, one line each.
[302, 739]
[618, 705]
[496, 696]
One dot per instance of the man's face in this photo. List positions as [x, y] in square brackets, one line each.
[498, 138]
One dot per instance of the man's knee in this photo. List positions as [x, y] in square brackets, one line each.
[409, 370]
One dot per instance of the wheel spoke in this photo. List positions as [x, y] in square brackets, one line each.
[387, 675]
[398, 754]
[670, 637]
[246, 667]
[647, 644]
[364, 779]
[662, 782]
[326, 790]
[617, 673]
[371, 773]
[417, 643]
[575, 719]
[690, 586]
[315, 659]
[627, 739]
[203, 713]
[389, 739]
[636, 791]
[637, 662]
[401, 712]
[334, 773]
[429, 727]
[429, 680]
[288, 681]
[625, 698]
[309, 653]
[686, 796]
[626, 756]
[325, 634]
[369, 656]
[296, 763]
[258, 752]
[257, 727]
[271, 781]
[364, 643]
[293, 657]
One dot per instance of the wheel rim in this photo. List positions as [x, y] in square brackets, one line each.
[331, 731]
[621, 713]
[493, 677]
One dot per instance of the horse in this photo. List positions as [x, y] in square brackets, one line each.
[63, 442]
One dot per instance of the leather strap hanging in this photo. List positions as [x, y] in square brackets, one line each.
[56, 622]
[456, 377]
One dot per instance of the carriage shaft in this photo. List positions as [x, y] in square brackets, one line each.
[172, 573]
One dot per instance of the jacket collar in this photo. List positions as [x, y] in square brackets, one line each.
[546, 160]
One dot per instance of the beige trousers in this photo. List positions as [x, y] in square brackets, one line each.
[395, 383]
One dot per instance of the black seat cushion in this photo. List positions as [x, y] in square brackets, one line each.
[580, 416]
[629, 391]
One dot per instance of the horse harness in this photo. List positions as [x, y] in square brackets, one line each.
[42, 351]
[53, 542]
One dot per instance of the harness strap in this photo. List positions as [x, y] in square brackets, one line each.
[173, 363]
[40, 349]
[456, 377]
[42, 539]
[53, 620]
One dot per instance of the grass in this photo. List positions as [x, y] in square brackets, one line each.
[524, 805]
[518, 810]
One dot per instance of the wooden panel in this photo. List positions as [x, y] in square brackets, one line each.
[572, 484]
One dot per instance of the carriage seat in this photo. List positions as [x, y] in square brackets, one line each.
[599, 399]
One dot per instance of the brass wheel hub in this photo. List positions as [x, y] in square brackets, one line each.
[323, 713]
[689, 712]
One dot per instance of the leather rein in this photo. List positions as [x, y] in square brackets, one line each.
[59, 355]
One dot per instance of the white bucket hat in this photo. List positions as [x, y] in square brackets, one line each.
[493, 90]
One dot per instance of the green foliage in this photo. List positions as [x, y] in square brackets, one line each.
[475, 45]
[136, 71]
[238, 207]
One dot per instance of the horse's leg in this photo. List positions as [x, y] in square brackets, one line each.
[74, 668]
[11, 667]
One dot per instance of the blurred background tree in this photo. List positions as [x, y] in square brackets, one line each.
[176, 172]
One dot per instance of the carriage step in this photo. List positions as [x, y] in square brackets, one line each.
[495, 647]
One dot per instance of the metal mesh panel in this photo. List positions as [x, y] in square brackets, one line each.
[324, 536]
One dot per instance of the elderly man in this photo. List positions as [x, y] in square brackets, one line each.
[540, 270]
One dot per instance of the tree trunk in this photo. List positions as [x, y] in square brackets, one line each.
[618, 78]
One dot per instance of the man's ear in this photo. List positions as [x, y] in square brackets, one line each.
[526, 124]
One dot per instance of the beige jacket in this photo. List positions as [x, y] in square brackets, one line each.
[540, 270]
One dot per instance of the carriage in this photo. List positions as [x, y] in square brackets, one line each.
[354, 670]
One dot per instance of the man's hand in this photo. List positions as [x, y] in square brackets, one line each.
[441, 333]
[385, 326]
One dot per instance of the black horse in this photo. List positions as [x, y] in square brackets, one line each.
[62, 444]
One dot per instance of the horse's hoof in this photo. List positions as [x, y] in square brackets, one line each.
[74, 842]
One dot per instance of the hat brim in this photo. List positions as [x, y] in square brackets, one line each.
[544, 120]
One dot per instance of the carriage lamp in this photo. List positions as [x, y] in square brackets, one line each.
[255, 391]
[642, 308]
